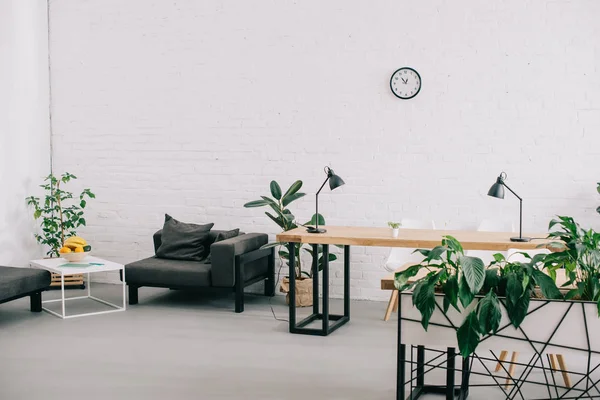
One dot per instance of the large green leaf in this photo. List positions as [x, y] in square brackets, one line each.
[465, 294]
[314, 219]
[424, 300]
[436, 253]
[288, 199]
[256, 203]
[293, 189]
[473, 271]
[599, 308]
[490, 314]
[401, 278]
[453, 243]
[468, 335]
[547, 285]
[514, 288]
[492, 280]
[275, 190]
[451, 292]
[278, 221]
[518, 311]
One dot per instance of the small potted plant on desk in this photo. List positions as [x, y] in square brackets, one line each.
[61, 214]
[395, 228]
[284, 218]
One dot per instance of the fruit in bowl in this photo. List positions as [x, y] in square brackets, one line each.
[75, 249]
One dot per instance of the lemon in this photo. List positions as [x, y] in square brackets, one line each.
[64, 250]
[79, 250]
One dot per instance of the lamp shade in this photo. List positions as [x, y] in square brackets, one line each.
[497, 189]
[335, 181]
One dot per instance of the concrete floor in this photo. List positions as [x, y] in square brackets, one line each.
[178, 345]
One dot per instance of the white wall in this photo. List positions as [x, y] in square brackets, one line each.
[192, 108]
[24, 124]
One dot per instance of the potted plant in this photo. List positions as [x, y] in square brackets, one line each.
[395, 228]
[61, 215]
[477, 294]
[284, 218]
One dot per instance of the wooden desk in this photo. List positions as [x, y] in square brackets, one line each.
[414, 238]
[380, 237]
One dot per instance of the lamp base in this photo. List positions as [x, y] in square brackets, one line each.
[312, 229]
[520, 239]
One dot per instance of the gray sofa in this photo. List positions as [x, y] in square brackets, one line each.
[20, 282]
[234, 264]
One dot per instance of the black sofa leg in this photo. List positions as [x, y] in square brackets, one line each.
[239, 285]
[270, 281]
[35, 302]
[133, 294]
[239, 299]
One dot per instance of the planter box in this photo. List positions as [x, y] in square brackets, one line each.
[71, 281]
[551, 326]
[568, 328]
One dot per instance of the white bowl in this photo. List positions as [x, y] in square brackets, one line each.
[75, 257]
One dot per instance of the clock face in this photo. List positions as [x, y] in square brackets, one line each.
[405, 83]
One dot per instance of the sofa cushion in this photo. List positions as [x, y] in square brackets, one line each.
[20, 281]
[183, 241]
[168, 273]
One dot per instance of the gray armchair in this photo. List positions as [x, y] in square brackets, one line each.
[234, 264]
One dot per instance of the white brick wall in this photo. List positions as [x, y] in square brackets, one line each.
[24, 125]
[191, 108]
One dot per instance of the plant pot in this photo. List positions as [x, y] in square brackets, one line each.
[395, 232]
[304, 291]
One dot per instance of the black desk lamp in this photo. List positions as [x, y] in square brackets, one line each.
[497, 190]
[334, 182]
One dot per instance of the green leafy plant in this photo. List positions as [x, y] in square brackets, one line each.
[284, 218]
[60, 211]
[577, 250]
[463, 279]
[394, 225]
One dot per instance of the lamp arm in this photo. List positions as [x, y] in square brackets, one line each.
[506, 186]
[317, 203]
[323, 185]
[520, 210]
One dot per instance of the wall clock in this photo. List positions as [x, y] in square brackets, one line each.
[405, 83]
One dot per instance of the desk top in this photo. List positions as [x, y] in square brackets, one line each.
[413, 238]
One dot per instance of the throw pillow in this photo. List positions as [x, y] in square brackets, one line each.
[183, 241]
[223, 236]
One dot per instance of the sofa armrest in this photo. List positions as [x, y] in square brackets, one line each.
[223, 255]
[157, 237]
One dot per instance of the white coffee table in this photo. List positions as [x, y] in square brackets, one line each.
[88, 266]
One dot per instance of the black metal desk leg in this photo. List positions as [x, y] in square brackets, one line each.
[420, 366]
[450, 367]
[315, 274]
[292, 292]
[347, 281]
[401, 360]
[326, 288]
[329, 322]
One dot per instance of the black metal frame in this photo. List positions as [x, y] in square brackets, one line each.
[239, 284]
[515, 383]
[325, 316]
[35, 299]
